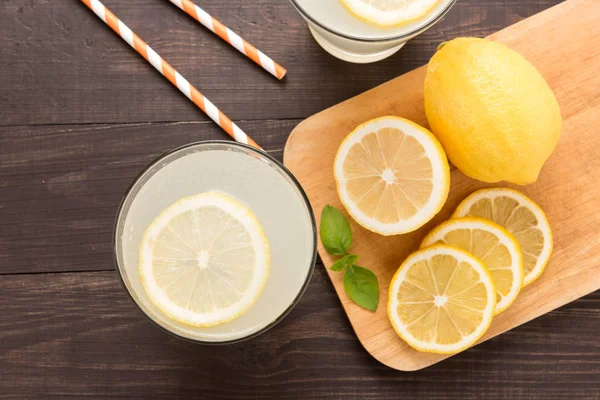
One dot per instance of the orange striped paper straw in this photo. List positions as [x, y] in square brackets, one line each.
[168, 72]
[231, 37]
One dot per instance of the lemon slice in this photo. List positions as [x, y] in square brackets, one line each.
[389, 12]
[524, 219]
[441, 300]
[490, 243]
[392, 175]
[204, 260]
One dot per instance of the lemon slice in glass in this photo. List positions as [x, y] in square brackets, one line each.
[524, 219]
[204, 260]
[490, 243]
[392, 175]
[441, 300]
[388, 12]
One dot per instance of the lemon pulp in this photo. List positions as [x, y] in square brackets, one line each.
[204, 260]
[490, 243]
[392, 175]
[441, 300]
[520, 216]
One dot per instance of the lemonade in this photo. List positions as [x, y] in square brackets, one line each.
[347, 37]
[257, 183]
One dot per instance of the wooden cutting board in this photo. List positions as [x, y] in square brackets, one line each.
[563, 42]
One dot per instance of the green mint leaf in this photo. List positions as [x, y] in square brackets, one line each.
[362, 287]
[336, 234]
[344, 262]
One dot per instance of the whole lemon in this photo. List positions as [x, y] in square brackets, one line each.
[493, 112]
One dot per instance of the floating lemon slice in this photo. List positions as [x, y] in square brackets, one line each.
[392, 175]
[204, 260]
[441, 300]
[524, 219]
[389, 12]
[490, 243]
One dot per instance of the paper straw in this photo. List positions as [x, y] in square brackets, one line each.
[231, 37]
[168, 72]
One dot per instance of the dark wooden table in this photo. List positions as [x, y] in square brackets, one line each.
[81, 114]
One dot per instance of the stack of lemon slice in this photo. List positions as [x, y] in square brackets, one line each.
[392, 176]
[520, 216]
[470, 268]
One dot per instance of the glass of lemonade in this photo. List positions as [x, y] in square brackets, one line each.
[347, 37]
[253, 179]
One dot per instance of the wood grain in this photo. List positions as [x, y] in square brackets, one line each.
[78, 335]
[60, 186]
[61, 65]
[563, 43]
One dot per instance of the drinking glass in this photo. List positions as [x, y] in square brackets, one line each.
[253, 178]
[348, 38]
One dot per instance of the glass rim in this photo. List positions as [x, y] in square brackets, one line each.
[120, 218]
[406, 35]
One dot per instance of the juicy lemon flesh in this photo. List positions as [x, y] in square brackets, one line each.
[442, 300]
[395, 5]
[388, 176]
[518, 220]
[391, 175]
[505, 269]
[203, 260]
[389, 12]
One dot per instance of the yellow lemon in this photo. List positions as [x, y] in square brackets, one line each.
[441, 300]
[392, 175]
[204, 260]
[493, 112]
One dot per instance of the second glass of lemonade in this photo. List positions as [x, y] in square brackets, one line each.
[347, 37]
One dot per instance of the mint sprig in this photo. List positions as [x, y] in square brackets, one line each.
[360, 284]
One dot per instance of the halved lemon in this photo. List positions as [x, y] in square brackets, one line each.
[441, 300]
[389, 12]
[524, 219]
[204, 260]
[490, 243]
[392, 175]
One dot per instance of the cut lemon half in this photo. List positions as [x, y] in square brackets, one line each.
[389, 12]
[490, 243]
[204, 260]
[441, 300]
[392, 175]
[524, 219]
